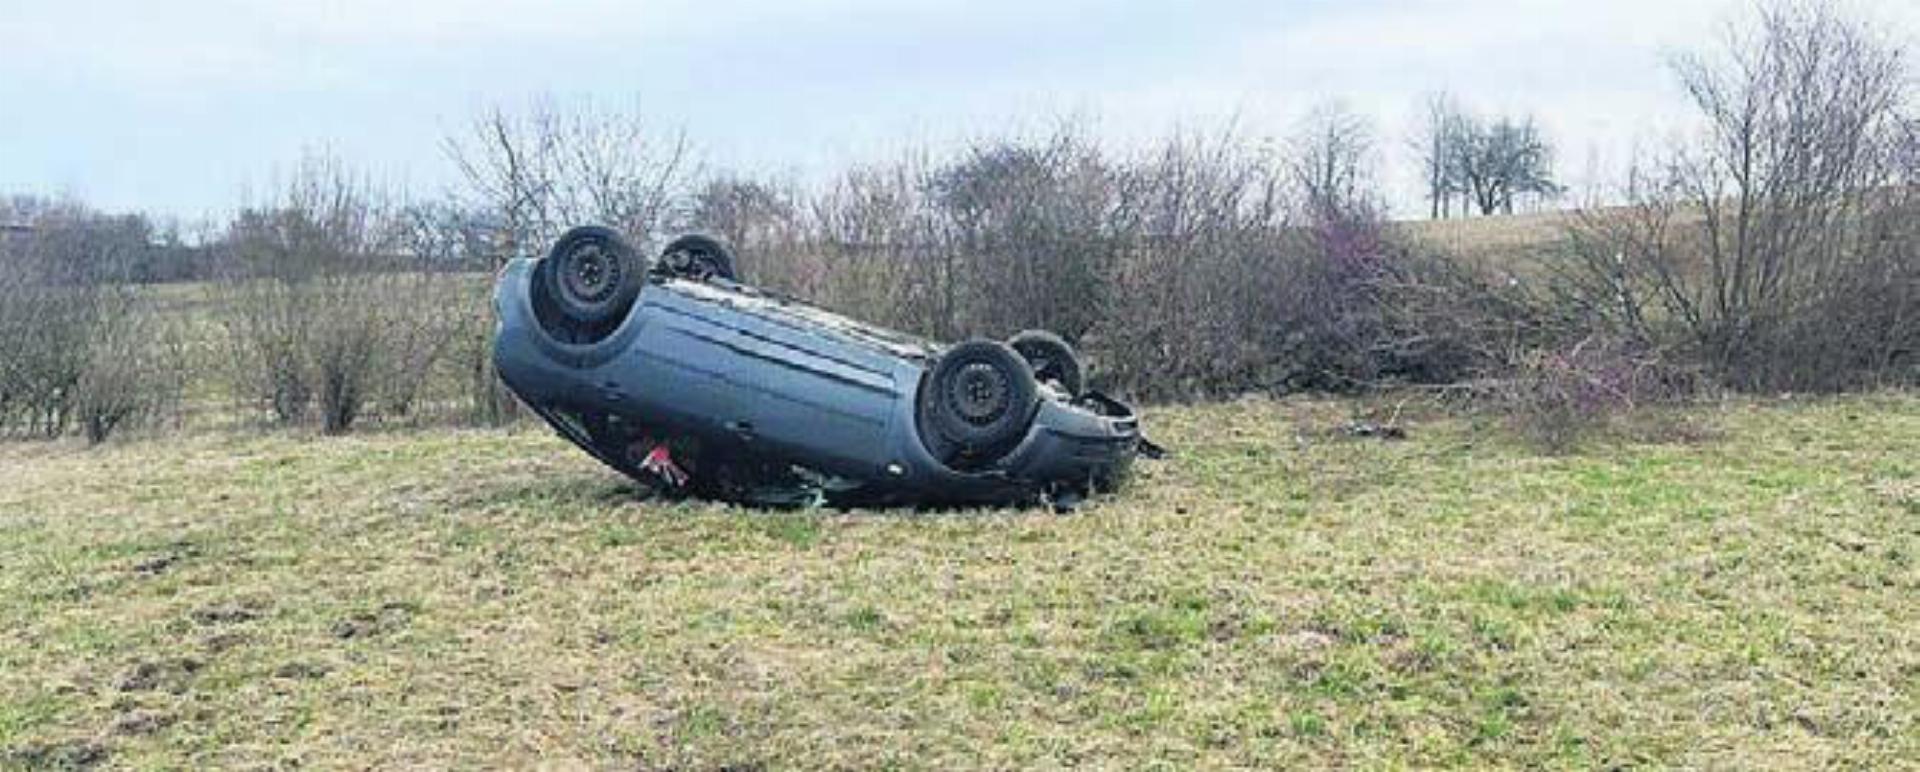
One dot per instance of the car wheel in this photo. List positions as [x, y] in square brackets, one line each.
[592, 275]
[1051, 359]
[698, 256]
[981, 398]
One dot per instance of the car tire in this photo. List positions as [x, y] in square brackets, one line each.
[592, 275]
[980, 398]
[698, 256]
[1051, 358]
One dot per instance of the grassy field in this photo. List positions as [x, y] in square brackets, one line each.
[1277, 594]
[1495, 241]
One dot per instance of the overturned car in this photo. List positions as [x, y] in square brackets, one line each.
[678, 375]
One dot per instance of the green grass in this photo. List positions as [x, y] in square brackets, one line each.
[1275, 595]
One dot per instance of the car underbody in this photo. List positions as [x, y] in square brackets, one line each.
[695, 384]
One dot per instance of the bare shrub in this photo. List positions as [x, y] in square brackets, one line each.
[1453, 321]
[1210, 265]
[43, 343]
[1197, 272]
[1556, 398]
[880, 251]
[1240, 280]
[758, 218]
[1031, 231]
[1778, 246]
[487, 401]
[450, 249]
[69, 349]
[440, 279]
[135, 370]
[326, 311]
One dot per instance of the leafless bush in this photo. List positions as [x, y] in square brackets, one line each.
[329, 304]
[43, 336]
[1556, 398]
[70, 347]
[1245, 278]
[450, 334]
[1209, 265]
[873, 245]
[1452, 321]
[135, 369]
[449, 312]
[1779, 246]
[1198, 295]
[1031, 232]
[486, 400]
[750, 215]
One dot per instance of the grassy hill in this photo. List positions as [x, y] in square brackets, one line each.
[1490, 237]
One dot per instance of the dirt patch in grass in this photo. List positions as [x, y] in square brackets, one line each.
[75, 754]
[227, 613]
[388, 618]
[173, 675]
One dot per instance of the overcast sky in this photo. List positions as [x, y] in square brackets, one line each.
[181, 107]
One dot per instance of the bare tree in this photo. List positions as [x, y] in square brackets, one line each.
[1437, 142]
[1332, 157]
[1486, 164]
[548, 168]
[1496, 161]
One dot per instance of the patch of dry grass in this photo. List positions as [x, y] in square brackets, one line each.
[1275, 595]
[1495, 242]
